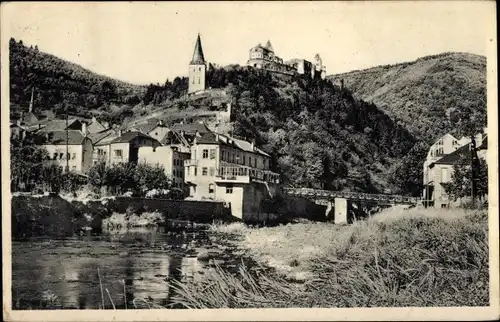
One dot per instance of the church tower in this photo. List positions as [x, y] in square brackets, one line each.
[197, 69]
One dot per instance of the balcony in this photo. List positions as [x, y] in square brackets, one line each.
[190, 162]
[244, 174]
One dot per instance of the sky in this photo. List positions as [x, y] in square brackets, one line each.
[149, 42]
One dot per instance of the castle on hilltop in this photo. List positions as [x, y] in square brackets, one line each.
[263, 57]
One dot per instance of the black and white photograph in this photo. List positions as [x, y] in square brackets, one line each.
[184, 157]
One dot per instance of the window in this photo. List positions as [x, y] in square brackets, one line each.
[156, 133]
[244, 159]
[195, 171]
[74, 156]
[223, 155]
[211, 188]
[61, 156]
[237, 158]
[205, 153]
[55, 156]
[444, 175]
[212, 171]
[255, 162]
[212, 154]
[188, 170]
[199, 69]
[250, 161]
[229, 189]
[193, 81]
[118, 153]
[68, 156]
[198, 80]
[204, 171]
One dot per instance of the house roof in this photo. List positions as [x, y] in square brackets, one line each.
[57, 125]
[30, 118]
[129, 136]
[190, 128]
[215, 138]
[460, 156]
[484, 144]
[74, 137]
[97, 137]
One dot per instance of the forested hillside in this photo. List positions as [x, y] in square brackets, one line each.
[57, 81]
[318, 135]
[421, 94]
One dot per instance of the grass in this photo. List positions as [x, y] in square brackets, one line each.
[415, 257]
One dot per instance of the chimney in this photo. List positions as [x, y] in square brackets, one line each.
[253, 144]
[84, 128]
[216, 137]
[160, 122]
[197, 134]
[94, 119]
[195, 141]
[342, 84]
[183, 133]
[119, 132]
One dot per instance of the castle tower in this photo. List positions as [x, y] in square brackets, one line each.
[197, 69]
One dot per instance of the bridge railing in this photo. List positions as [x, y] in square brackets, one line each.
[328, 194]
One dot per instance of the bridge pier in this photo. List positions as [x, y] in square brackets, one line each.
[341, 208]
[329, 206]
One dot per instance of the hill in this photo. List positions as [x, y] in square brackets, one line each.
[420, 94]
[57, 82]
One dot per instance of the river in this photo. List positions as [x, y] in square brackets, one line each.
[132, 266]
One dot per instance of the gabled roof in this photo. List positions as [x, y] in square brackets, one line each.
[99, 136]
[57, 125]
[198, 57]
[30, 118]
[148, 127]
[461, 155]
[129, 136]
[190, 128]
[215, 138]
[74, 137]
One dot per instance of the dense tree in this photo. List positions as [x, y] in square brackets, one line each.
[461, 181]
[56, 81]
[122, 177]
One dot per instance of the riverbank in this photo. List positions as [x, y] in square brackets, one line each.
[415, 257]
[62, 216]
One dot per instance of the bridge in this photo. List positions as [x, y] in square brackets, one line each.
[341, 200]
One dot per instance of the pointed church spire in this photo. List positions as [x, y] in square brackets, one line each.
[31, 101]
[198, 58]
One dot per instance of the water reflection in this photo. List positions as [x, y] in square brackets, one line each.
[136, 264]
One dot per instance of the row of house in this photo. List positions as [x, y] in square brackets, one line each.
[205, 164]
[442, 156]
